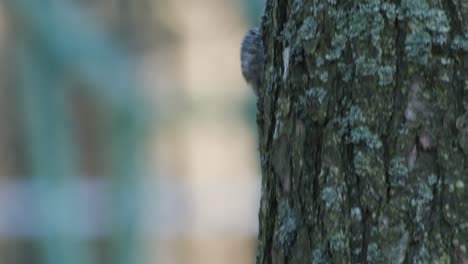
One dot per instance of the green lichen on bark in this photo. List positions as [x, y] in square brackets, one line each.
[363, 132]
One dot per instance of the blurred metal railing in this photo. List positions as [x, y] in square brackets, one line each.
[56, 39]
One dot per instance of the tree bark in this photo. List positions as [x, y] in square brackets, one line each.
[363, 132]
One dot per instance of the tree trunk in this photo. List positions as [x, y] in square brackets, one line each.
[363, 132]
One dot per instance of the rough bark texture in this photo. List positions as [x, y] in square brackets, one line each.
[363, 126]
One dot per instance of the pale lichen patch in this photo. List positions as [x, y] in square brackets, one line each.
[286, 57]
[398, 172]
[418, 46]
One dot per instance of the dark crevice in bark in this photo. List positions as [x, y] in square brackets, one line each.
[366, 224]
[270, 228]
[389, 140]
[386, 160]
[272, 109]
[318, 166]
[438, 196]
[282, 13]
[268, 220]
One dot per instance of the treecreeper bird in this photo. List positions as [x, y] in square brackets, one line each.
[253, 59]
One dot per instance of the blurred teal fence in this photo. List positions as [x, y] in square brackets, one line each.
[55, 40]
[253, 9]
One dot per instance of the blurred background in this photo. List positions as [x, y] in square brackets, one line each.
[127, 134]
